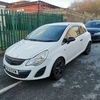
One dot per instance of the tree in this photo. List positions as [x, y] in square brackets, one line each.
[90, 6]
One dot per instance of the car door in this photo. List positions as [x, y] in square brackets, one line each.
[83, 37]
[73, 48]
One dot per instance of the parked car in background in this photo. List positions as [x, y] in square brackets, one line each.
[46, 50]
[93, 27]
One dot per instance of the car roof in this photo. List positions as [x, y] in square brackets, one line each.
[93, 21]
[66, 23]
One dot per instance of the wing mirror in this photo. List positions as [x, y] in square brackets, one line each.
[70, 39]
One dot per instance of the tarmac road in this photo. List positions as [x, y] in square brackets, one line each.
[81, 81]
[4, 79]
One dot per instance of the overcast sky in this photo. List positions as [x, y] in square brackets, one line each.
[60, 3]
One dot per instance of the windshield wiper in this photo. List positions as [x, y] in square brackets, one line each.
[48, 40]
[31, 39]
[40, 40]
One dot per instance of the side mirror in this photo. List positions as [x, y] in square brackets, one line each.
[70, 39]
[64, 40]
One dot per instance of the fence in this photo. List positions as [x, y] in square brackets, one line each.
[16, 25]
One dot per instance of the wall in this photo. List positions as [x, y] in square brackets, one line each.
[69, 15]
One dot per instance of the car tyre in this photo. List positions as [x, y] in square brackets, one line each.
[57, 69]
[88, 49]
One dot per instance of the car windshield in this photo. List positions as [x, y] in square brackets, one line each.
[49, 33]
[94, 24]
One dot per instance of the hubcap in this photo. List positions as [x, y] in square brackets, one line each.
[59, 68]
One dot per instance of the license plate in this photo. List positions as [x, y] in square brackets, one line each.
[11, 70]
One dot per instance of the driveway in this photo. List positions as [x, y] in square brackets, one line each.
[81, 81]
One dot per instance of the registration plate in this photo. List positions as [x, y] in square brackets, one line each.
[11, 70]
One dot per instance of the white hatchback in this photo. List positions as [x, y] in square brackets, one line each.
[46, 51]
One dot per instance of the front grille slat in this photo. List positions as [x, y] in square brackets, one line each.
[14, 61]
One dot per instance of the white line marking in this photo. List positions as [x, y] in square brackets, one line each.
[9, 87]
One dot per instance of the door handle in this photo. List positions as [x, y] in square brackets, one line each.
[81, 40]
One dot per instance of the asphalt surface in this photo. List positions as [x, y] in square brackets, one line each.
[4, 79]
[81, 81]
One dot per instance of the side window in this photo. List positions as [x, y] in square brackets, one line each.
[73, 32]
[82, 30]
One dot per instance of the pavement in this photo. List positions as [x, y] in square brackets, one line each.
[81, 81]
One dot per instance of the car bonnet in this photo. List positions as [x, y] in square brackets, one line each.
[28, 49]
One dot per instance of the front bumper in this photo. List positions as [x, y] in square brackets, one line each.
[95, 38]
[22, 72]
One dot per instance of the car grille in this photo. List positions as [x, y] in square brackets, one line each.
[14, 61]
[96, 38]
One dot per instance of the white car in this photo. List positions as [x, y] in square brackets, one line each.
[46, 51]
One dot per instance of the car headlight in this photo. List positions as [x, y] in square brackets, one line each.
[38, 59]
[98, 33]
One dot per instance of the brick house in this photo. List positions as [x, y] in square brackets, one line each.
[30, 7]
[4, 3]
[2, 7]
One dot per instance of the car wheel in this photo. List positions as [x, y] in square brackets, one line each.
[57, 69]
[88, 49]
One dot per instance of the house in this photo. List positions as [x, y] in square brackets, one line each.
[4, 3]
[30, 7]
[2, 8]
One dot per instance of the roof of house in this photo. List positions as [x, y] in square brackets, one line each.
[26, 3]
[4, 3]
